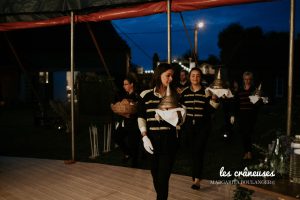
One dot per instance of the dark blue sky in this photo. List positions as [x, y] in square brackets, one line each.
[150, 33]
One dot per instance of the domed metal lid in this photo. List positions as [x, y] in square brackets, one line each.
[258, 91]
[218, 82]
[169, 101]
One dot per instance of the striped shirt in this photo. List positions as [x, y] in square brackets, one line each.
[244, 100]
[147, 121]
[196, 103]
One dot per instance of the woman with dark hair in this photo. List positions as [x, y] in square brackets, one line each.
[127, 134]
[159, 137]
[196, 126]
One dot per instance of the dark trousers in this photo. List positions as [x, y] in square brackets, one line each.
[197, 136]
[246, 127]
[165, 144]
[128, 139]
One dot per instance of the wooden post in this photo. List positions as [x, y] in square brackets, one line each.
[290, 72]
[169, 30]
[72, 86]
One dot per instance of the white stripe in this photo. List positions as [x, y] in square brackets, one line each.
[200, 95]
[151, 119]
[195, 115]
[152, 101]
[194, 101]
[188, 101]
[194, 108]
[192, 95]
[197, 101]
[145, 92]
[159, 128]
[190, 108]
[151, 110]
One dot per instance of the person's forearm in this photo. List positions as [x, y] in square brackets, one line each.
[142, 126]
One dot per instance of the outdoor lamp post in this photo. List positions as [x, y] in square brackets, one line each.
[198, 26]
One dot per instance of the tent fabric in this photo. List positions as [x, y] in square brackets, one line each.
[33, 13]
[9, 7]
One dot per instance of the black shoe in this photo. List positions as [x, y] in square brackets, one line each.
[195, 187]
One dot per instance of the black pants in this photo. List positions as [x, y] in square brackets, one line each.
[128, 139]
[165, 144]
[246, 128]
[197, 136]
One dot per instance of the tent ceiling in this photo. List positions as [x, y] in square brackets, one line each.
[32, 13]
[56, 6]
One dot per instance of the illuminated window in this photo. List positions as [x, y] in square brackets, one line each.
[44, 77]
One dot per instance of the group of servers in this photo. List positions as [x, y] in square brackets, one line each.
[161, 139]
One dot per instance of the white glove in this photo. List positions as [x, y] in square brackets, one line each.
[232, 119]
[147, 144]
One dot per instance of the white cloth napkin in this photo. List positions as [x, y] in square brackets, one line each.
[297, 151]
[295, 145]
[255, 98]
[219, 92]
[171, 115]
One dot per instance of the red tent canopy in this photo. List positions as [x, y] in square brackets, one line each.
[117, 9]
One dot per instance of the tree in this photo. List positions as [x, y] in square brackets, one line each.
[213, 60]
[229, 41]
[242, 49]
[250, 49]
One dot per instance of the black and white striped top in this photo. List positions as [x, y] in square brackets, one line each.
[197, 105]
[146, 114]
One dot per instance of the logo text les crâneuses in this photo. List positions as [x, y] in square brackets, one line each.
[246, 173]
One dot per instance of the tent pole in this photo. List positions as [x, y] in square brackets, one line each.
[72, 84]
[169, 29]
[290, 72]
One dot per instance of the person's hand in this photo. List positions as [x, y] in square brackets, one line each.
[214, 101]
[232, 119]
[179, 91]
[126, 115]
[147, 144]
[157, 117]
[214, 97]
